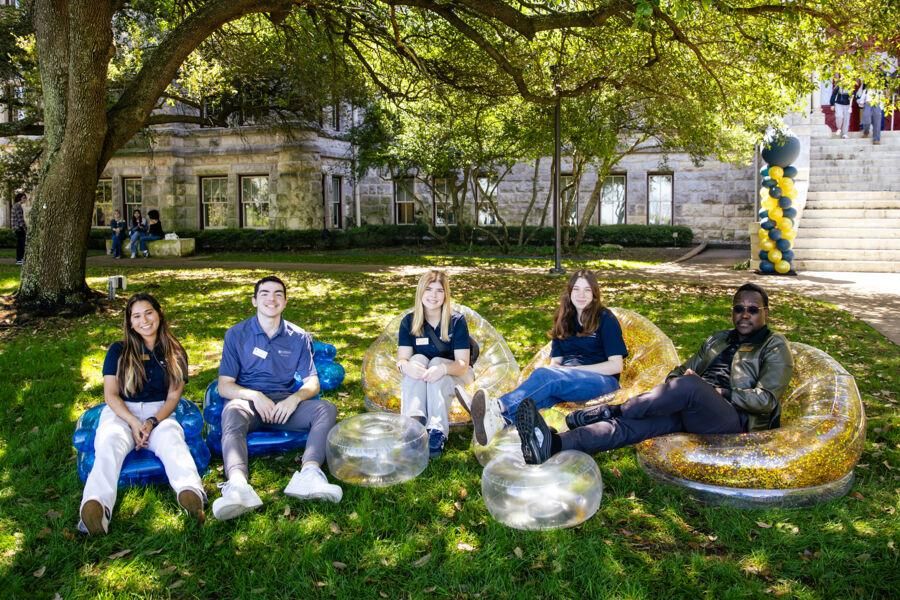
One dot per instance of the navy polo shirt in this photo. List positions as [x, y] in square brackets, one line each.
[155, 388]
[430, 344]
[267, 365]
[591, 349]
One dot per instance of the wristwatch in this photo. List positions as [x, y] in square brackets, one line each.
[153, 420]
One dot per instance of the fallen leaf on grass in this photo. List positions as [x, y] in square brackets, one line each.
[119, 554]
[615, 471]
[465, 547]
[52, 514]
[287, 511]
[788, 527]
[56, 596]
[67, 533]
[44, 533]
[40, 572]
[343, 395]
[177, 584]
[339, 565]
[168, 570]
[463, 493]
[153, 552]
[428, 590]
[382, 594]
[335, 528]
[419, 562]
[321, 584]
[887, 466]
[457, 505]
[763, 525]
[518, 552]
[858, 496]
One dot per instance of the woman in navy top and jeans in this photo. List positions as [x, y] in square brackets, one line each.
[433, 356]
[586, 358]
[143, 377]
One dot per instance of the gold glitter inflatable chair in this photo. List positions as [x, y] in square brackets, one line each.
[496, 369]
[651, 355]
[809, 459]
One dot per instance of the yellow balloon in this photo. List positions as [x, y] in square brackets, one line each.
[769, 203]
[776, 172]
[787, 184]
[774, 255]
[767, 244]
[790, 234]
[782, 266]
[785, 224]
[791, 193]
[775, 213]
[762, 233]
[764, 193]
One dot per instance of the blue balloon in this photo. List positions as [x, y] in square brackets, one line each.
[766, 267]
[763, 215]
[783, 245]
[768, 224]
[331, 375]
[141, 467]
[323, 350]
[763, 255]
[787, 255]
[769, 182]
[790, 213]
[764, 172]
[775, 192]
[784, 202]
[774, 234]
[790, 171]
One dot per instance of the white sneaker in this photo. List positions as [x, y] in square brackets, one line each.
[311, 484]
[236, 499]
[465, 400]
[487, 417]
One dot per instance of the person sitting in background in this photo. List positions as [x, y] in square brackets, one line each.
[117, 225]
[154, 232]
[137, 228]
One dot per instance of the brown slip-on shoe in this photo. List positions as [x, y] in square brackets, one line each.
[191, 502]
[92, 515]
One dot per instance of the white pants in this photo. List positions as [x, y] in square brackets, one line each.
[842, 117]
[113, 442]
[418, 398]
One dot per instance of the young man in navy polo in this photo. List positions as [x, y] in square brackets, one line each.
[257, 375]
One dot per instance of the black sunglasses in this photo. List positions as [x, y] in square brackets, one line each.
[739, 309]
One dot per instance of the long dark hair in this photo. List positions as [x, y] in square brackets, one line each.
[135, 221]
[130, 371]
[566, 313]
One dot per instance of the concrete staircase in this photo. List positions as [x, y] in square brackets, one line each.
[851, 220]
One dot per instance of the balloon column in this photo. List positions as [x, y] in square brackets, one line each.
[331, 373]
[777, 215]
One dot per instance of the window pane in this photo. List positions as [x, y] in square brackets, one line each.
[486, 214]
[255, 201]
[215, 202]
[405, 201]
[103, 204]
[443, 203]
[659, 192]
[336, 206]
[134, 192]
[612, 200]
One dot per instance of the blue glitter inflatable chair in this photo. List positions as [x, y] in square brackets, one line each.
[271, 441]
[141, 467]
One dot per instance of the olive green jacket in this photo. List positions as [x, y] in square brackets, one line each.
[760, 373]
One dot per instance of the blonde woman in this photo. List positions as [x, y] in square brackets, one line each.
[143, 377]
[433, 356]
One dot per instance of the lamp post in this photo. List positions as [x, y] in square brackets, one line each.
[557, 227]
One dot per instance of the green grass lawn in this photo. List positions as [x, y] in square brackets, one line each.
[431, 537]
[591, 257]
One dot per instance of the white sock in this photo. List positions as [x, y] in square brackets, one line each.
[237, 477]
[310, 465]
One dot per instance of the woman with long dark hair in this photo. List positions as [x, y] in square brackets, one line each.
[143, 377]
[136, 230]
[586, 358]
[433, 356]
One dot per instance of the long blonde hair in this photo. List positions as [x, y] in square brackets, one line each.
[130, 371]
[418, 322]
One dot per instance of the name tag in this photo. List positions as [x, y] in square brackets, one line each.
[746, 348]
[421, 341]
[260, 353]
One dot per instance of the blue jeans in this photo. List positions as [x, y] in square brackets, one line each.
[551, 385]
[143, 238]
[117, 244]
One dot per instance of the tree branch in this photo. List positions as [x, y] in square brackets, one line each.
[130, 112]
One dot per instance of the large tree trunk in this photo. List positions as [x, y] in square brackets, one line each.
[75, 117]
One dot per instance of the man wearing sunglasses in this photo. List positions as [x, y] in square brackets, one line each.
[733, 384]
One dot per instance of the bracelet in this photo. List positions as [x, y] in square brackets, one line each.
[153, 421]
